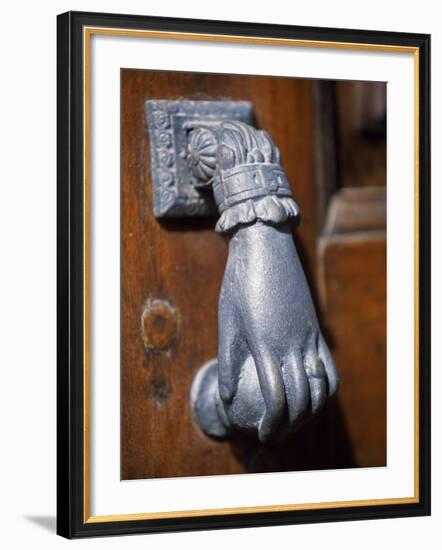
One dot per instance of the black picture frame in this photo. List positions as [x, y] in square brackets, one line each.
[71, 518]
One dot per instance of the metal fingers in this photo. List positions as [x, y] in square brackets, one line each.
[272, 388]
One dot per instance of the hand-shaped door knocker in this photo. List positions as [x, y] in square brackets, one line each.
[274, 368]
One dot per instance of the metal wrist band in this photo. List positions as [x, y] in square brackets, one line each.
[249, 181]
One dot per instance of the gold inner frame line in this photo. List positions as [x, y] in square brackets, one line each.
[87, 33]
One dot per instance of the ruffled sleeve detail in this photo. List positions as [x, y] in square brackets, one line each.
[270, 209]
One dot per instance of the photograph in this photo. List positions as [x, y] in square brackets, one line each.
[305, 363]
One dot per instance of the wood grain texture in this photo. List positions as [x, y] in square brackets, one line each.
[355, 209]
[180, 264]
[354, 279]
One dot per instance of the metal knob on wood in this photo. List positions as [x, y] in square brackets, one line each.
[274, 369]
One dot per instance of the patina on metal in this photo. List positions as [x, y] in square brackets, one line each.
[274, 369]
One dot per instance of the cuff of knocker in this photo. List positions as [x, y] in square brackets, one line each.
[271, 209]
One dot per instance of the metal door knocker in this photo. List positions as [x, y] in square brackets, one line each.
[274, 368]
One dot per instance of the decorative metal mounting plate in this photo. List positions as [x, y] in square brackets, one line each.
[176, 192]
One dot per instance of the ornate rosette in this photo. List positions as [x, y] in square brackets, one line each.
[201, 156]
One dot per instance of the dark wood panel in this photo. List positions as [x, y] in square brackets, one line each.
[352, 265]
[181, 264]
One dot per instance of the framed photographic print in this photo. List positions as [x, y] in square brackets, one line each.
[243, 274]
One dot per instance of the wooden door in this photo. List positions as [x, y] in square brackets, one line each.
[171, 274]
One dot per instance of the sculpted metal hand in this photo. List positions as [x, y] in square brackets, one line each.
[274, 367]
